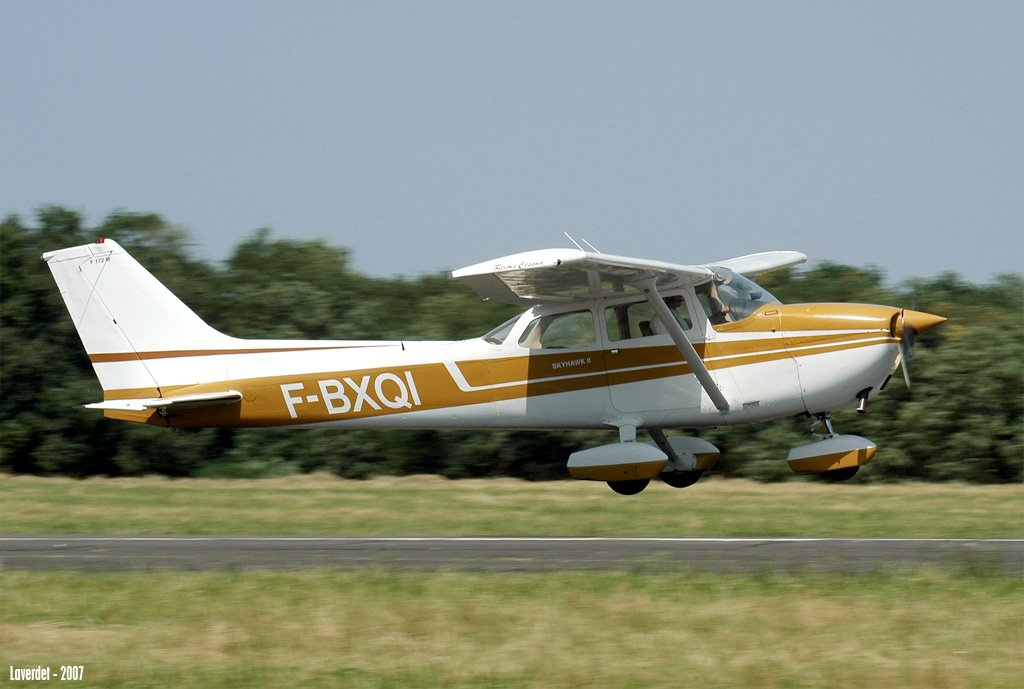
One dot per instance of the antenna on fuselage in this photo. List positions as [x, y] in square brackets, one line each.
[596, 250]
[573, 241]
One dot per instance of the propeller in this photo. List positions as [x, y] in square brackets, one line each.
[913, 323]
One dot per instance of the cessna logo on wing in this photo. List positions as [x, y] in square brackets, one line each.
[349, 395]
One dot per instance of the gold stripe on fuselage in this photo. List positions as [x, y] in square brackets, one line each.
[363, 393]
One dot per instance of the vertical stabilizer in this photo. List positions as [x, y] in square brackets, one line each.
[134, 329]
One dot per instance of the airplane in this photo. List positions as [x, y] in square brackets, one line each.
[605, 342]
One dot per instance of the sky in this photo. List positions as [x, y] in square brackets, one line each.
[426, 136]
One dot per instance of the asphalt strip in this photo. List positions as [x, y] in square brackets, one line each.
[80, 552]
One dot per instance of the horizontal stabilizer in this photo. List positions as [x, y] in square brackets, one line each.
[202, 399]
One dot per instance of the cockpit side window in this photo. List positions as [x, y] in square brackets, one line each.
[560, 331]
[730, 297]
[637, 319]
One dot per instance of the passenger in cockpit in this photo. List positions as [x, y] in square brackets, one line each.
[673, 303]
[717, 311]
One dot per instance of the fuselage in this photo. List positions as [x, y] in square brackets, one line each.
[594, 362]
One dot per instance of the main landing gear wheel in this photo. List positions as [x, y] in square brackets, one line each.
[681, 479]
[840, 474]
[629, 487]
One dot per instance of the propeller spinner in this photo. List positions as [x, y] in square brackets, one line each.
[913, 324]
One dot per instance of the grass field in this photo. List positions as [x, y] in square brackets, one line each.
[397, 629]
[912, 628]
[424, 505]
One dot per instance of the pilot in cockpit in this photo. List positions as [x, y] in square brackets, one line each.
[673, 303]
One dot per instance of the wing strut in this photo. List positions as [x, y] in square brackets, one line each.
[675, 330]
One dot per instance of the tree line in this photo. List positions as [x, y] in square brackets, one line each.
[962, 420]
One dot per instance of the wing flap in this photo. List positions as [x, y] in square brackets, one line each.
[566, 275]
[202, 399]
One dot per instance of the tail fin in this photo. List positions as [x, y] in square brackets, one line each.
[133, 328]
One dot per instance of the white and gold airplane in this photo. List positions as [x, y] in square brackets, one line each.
[606, 342]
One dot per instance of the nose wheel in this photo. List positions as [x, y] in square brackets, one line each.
[834, 457]
[837, 475]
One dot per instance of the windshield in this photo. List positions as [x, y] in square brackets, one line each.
[730, 297]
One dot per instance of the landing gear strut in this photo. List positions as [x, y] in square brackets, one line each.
[823, 418]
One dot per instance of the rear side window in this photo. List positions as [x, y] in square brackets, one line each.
[498, 335]
[561, 331]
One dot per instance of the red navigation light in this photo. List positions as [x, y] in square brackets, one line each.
[99, 240]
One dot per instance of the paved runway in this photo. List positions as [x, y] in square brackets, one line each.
[511, 554]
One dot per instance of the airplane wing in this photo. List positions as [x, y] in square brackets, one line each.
[203, 399]
[752, 265]
[566, 275]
